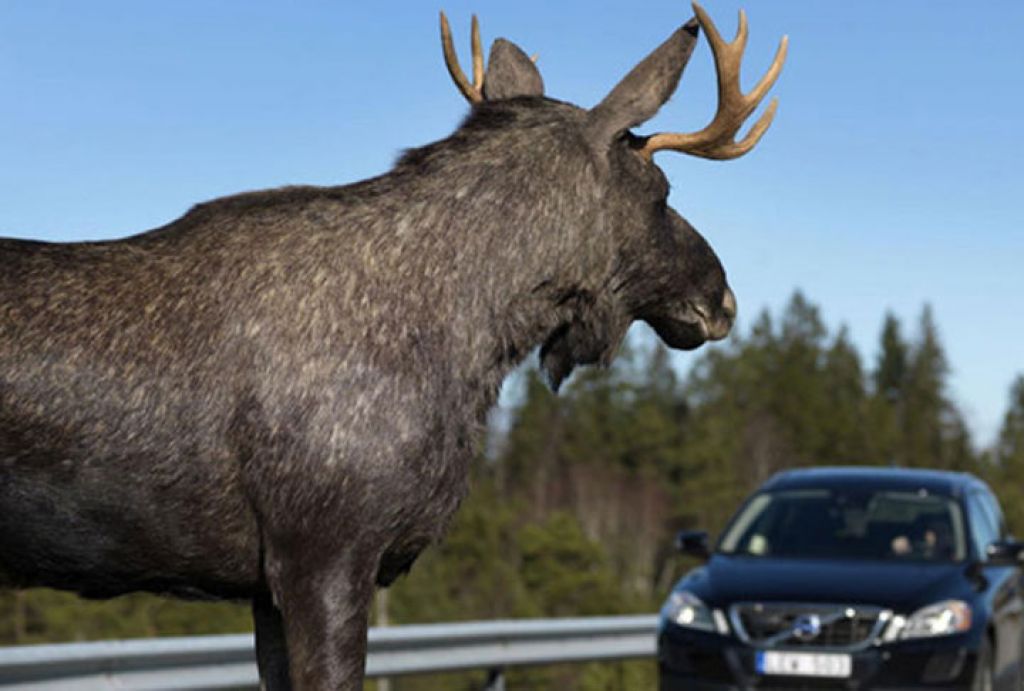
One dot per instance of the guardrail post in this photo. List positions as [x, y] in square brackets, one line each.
[495, 680]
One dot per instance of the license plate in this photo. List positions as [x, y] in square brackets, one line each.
[835, 665]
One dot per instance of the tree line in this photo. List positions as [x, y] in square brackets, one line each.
[576, 497]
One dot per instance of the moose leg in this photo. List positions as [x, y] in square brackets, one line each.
[271, 648]
[325, 607]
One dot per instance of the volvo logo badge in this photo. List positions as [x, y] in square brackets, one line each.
[807, 627]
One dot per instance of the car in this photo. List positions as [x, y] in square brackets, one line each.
[851, 578]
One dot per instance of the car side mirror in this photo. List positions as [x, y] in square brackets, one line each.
[693, 543]
[1005, 553]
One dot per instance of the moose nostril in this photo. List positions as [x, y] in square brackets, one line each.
[729, 304]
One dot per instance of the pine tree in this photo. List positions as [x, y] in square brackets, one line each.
[933, 433]
[890, 375]
[885, 405]
[846, 432]
[1009, 459]
[1010, 447]
[531, 453]
[798, 395]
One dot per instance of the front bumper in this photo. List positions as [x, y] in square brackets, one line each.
[695, 660]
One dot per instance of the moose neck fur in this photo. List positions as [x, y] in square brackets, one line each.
[530, 259]
[470, 253]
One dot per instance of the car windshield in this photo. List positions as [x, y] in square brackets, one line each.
[848, 524]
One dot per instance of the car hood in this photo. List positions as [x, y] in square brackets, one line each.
[901, 586]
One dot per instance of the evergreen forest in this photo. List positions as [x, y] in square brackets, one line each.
[576, 498]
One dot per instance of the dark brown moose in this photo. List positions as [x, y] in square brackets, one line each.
[276, 396]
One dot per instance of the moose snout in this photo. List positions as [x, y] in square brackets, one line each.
[720, 327]
[729, 305]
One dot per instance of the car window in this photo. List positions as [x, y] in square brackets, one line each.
[991, 506]
[856, 523]
[985, 528]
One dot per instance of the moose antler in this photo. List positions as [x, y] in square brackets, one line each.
[717, 140]
[474, 92]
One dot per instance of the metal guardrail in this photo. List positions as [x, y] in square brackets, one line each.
[209, 663]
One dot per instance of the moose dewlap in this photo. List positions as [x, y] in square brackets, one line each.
[276, 396]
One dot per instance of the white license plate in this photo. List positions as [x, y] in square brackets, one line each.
[834, 665]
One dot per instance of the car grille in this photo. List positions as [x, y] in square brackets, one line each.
[769, 624]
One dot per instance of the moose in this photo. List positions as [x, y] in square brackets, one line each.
[276, 397]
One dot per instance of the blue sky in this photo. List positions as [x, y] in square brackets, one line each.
[892, 176]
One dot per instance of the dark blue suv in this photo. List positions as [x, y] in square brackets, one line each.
[851, 578]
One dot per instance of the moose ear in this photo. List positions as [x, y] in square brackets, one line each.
[510, 73]
[642, 92]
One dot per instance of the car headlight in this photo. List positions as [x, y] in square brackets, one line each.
[940, 619]
[686, 609]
